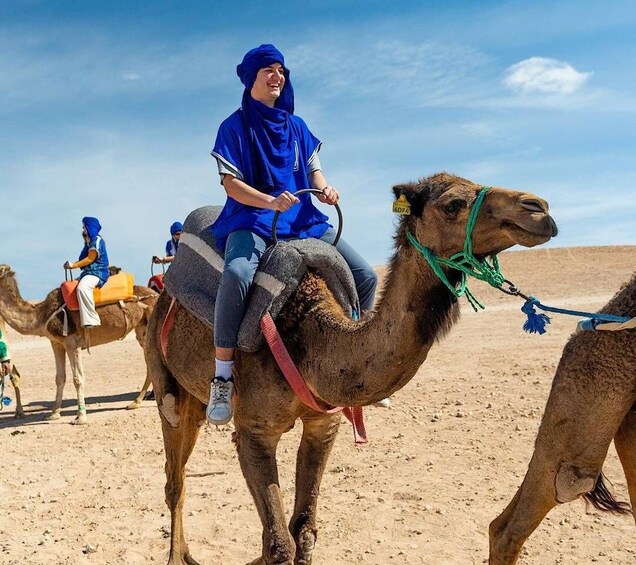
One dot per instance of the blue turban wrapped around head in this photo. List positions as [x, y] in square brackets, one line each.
[176, 227]
[92, 225]
[259, 58]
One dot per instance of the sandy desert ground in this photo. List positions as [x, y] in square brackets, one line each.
[443, 461]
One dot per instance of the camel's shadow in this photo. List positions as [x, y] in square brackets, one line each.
[37, 411]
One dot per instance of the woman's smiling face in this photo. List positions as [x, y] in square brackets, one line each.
[269, 84]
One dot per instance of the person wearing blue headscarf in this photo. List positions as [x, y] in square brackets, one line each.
[93, 262]
[265, 154]
[171, 245]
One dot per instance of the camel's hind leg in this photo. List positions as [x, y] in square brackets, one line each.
[59, 352]
[625, 442]
[256, 444]
[140, 334]
[181, 418]
[319, 434]
[577, 428]
[15, 381]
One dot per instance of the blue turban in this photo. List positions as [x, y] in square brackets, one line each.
[92, 226]
[176, 228]
[259, 58]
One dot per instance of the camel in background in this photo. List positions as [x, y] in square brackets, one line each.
[592, 401]
[46, 319]
[344, 363]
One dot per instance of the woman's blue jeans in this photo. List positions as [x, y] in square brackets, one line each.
[243, 251]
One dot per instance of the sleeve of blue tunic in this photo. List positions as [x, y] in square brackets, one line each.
[311, 144]
[230, 149]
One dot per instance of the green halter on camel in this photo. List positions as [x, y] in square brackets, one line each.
[464, 261]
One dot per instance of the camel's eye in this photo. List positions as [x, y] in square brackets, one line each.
[454, 207]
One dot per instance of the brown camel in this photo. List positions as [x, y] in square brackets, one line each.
[344, 363]
[41, 319]
[592, 401]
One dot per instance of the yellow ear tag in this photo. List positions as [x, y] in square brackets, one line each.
[402, 206]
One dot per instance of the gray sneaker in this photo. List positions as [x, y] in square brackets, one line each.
[220, 409]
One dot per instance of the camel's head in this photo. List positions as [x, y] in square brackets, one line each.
[5, 270]
[440, 207]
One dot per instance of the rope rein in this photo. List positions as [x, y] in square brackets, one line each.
[488, 270]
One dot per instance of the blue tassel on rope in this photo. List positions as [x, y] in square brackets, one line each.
[6, 401]
[536, 323]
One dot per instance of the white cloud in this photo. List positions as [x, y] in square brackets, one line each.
[131, 76]
[546, 76]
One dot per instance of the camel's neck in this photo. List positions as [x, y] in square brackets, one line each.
[21, 315]
[367, 362]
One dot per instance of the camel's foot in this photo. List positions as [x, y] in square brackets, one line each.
[19, 414]
[133, 405]
[185, 559]
[55, 415]
[305, 548]
[80, 419]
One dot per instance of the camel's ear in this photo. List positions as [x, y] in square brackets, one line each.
[414, 194]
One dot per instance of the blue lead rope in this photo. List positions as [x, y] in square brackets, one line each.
[536, 322]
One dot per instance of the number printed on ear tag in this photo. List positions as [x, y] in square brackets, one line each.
[402, 206]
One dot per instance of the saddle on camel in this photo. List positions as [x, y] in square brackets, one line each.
[194, 277]
[118, 289]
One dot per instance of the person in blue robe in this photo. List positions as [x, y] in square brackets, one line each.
[265, 154]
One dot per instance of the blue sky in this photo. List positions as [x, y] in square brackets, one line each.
[110, 109]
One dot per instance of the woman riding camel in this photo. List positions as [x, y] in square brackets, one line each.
[93, 262]
[265, 154]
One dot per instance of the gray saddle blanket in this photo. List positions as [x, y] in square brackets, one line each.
[195, 274]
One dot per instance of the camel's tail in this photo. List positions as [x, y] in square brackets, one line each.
[602, 499]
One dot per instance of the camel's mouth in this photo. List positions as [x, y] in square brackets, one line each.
[529, 232]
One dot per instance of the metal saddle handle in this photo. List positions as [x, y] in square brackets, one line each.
[314, 191]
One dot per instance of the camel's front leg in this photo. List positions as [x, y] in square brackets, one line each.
[319, 434]
[181, 418]
[60, 378]
[577, 428]
[14, 375]
[256, 445]
[75, 359]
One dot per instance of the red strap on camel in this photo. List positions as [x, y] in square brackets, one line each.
[299, 386]
[168, 321]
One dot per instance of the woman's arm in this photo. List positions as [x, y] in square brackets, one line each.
[90, 258]
[245, 194]
[329, 193]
